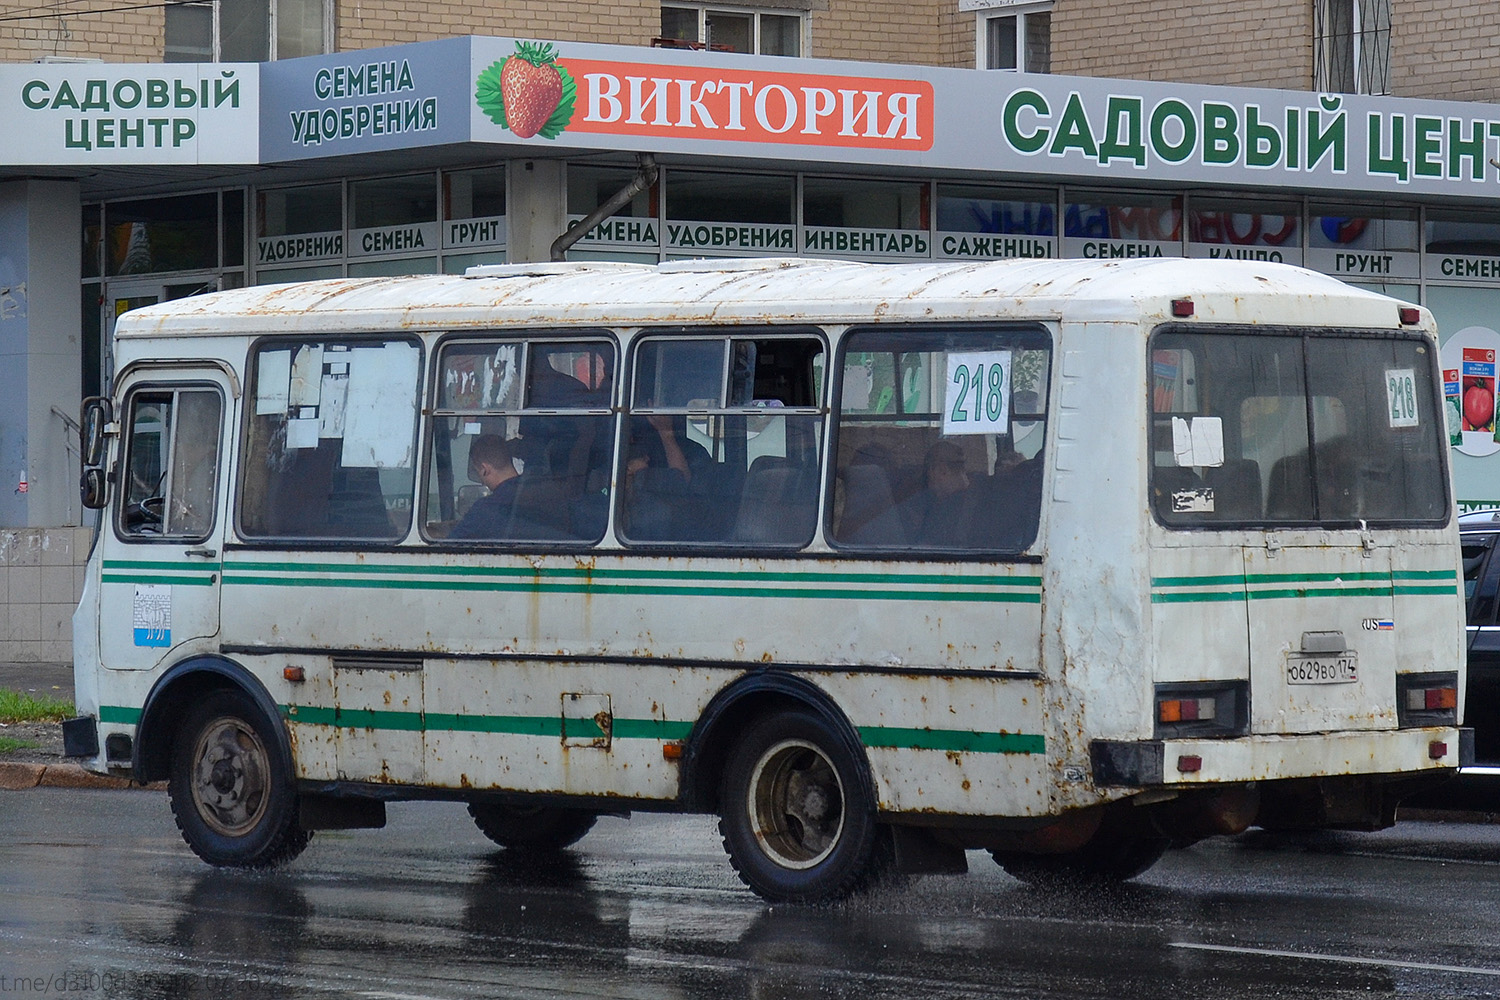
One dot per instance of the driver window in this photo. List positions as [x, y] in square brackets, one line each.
[171, 464]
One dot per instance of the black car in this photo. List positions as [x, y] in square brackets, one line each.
[1479, 533]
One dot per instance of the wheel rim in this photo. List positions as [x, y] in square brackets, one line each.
[796, 804]
[231, 777]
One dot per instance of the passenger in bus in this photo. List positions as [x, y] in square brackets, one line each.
[666, 481]
[492, 515]
[938, 514]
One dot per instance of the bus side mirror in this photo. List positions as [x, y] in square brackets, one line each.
[94, 489]
[94, 421]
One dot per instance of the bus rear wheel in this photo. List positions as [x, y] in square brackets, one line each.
[231, 786]
[531, 828]
[1104, 860]
[796, 811]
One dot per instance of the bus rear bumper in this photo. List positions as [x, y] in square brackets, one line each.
[1158, 763]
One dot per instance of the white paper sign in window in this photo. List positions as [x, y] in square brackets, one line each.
[1199, 441]
[977, 400]
[380, 400]
[1401, 397]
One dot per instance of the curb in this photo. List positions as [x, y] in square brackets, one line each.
[20, 777]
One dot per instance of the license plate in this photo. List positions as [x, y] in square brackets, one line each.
[1334, 668]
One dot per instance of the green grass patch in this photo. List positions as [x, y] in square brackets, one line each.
[17, 706]
[7, 744]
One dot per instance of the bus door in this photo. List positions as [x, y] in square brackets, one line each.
[1322, 645]
[162, 549]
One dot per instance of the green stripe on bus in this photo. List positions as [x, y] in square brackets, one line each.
[1001, 597]
[587, 574]
[552, 726]
[181, 581]
[962, 741]
[120, 714]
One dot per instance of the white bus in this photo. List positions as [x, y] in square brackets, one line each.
[1071, 561]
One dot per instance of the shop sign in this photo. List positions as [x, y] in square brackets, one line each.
[866, 243]
[992, 246]
[1262, 137]
[536, 92]
[139, 114]
[374, 99]
[1457, 268]
[298, 248]
[1106, 249]
[479, 232]
[1365, 265]
[730, 237]
[621, 232]
[383, 240]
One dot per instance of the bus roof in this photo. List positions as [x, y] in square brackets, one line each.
[771, 291]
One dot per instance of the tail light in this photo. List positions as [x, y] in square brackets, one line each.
[1429, 699]
[1203, 708]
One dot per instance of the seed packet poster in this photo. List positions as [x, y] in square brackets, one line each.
[1479, 389]
[1453, 408]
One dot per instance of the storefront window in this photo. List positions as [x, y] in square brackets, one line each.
[233, 207]
[980, 222]
[1107, 225]
[474, 221]
[877, 220]
[1463, 247]
[297, 225]
[163, 234]
[632, 233]
[719, 213]
[93, 241]
[1238, 228]
[391, 216]
[1369, 245]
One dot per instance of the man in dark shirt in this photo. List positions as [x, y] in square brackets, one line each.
[491, 515]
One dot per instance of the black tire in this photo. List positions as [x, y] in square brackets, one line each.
[531, 828]
[1107, 859]
[231, 786]
[797, 811]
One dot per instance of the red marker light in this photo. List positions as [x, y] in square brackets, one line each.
[1189, 763]
[1182, 308]
[1437, 751]
[1410, 315]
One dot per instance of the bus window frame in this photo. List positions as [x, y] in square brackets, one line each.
[727, 334]
[889, 553]
[117, 502]
[247, 416]
[1303, 335]
[431, 412]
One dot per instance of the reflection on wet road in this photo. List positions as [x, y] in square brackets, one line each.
[99, 897]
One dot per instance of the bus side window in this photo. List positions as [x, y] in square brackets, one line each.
[171, 464]
[724, 441]
[522, 439]
[939, 440]
[330, 440]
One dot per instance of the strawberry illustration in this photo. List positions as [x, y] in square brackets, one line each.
[528, 93]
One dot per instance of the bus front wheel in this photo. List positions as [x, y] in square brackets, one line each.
[531, 828]
[796, 812]
[231, 787]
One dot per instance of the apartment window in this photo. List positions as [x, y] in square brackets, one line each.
[247, 30]
[1352, 45]
[1012, 35]
[732, 29]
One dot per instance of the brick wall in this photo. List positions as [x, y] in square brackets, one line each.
[363, 24]
[881, 30]
[121, 36]
[1448, 49]
[1244, 43]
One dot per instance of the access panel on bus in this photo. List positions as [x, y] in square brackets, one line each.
[1300, 477]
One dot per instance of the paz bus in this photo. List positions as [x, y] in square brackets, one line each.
[1070, 561]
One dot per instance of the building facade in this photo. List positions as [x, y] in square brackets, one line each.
[323, 139]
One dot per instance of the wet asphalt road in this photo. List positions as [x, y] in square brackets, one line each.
[99, 897]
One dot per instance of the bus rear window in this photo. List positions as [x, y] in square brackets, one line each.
[1281, 428]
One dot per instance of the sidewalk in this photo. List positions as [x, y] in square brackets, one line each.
[45, 767]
